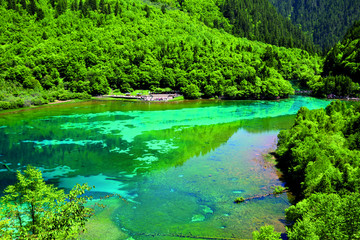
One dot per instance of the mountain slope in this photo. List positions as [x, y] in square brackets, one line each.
[341, 71]
[132, 45]
[259, 20]
[255, 20]
[325, 20]
[344, 57]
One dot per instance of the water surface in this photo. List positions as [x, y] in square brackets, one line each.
[178, 165]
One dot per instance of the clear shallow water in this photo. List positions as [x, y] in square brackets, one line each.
[179, 165]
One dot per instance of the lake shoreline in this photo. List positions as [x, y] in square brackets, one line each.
[108, 98]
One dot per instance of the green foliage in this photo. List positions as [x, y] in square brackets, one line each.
[320, 158]
[326, 21]
[139, 47]
[317, 150]
[279, 190]
[334, 86]
[239, 200]
[344, 57]
[266, 233]
[259, 20]
[191, 91]
[206, 11]
[325, 216]
[341, 74]
[38, 210]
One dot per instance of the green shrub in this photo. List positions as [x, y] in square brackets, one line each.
[4, 105]
[239, 200]
[38, 100]
[279, 190]
[191, 91]
[83, 95]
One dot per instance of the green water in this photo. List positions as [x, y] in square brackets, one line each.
[178, 165]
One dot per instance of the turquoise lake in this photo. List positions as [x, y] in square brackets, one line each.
[178, 166]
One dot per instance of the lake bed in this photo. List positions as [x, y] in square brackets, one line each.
[179, 166]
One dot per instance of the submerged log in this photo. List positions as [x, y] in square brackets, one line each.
[241, 199]
[7, 167]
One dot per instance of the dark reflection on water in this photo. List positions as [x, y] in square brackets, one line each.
[179, 165]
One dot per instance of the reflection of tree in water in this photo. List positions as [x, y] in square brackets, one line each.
[90, 148]
[96, 156]
[190, 142]
[259, 125]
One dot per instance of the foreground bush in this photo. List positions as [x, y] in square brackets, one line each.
[32, 209]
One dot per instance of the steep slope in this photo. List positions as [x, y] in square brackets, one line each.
[259, 20]
[341, 72]
[326, 20]
[344, 57]
[132, 45]
[255, 20]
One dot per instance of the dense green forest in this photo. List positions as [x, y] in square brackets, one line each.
[341, 71]
[60, 50]
[255, 20]
[320, 159]
[259, 20]
[326, 21]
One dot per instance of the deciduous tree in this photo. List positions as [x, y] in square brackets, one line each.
[38, 210]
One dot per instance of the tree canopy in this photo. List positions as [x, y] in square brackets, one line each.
[320, 158]
[341, 71]
[33, 209]
[326, 21]
[78, 50]
[259, 20]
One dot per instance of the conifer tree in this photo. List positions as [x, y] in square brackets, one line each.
[108, 9]
[74, 5]
[23, 4]
[102, 6]
[81, 5]
[40, 14]
[147, 10]
[44, 36]
[61, 7]
[32, 7]
[116, 11]
[11, 4]
[92, 4]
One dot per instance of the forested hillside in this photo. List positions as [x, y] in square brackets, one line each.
[259, 20]
[341, 72]
[344, 57]
[255, 20]
[50, 49]
[320, 159]
[325, 20]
